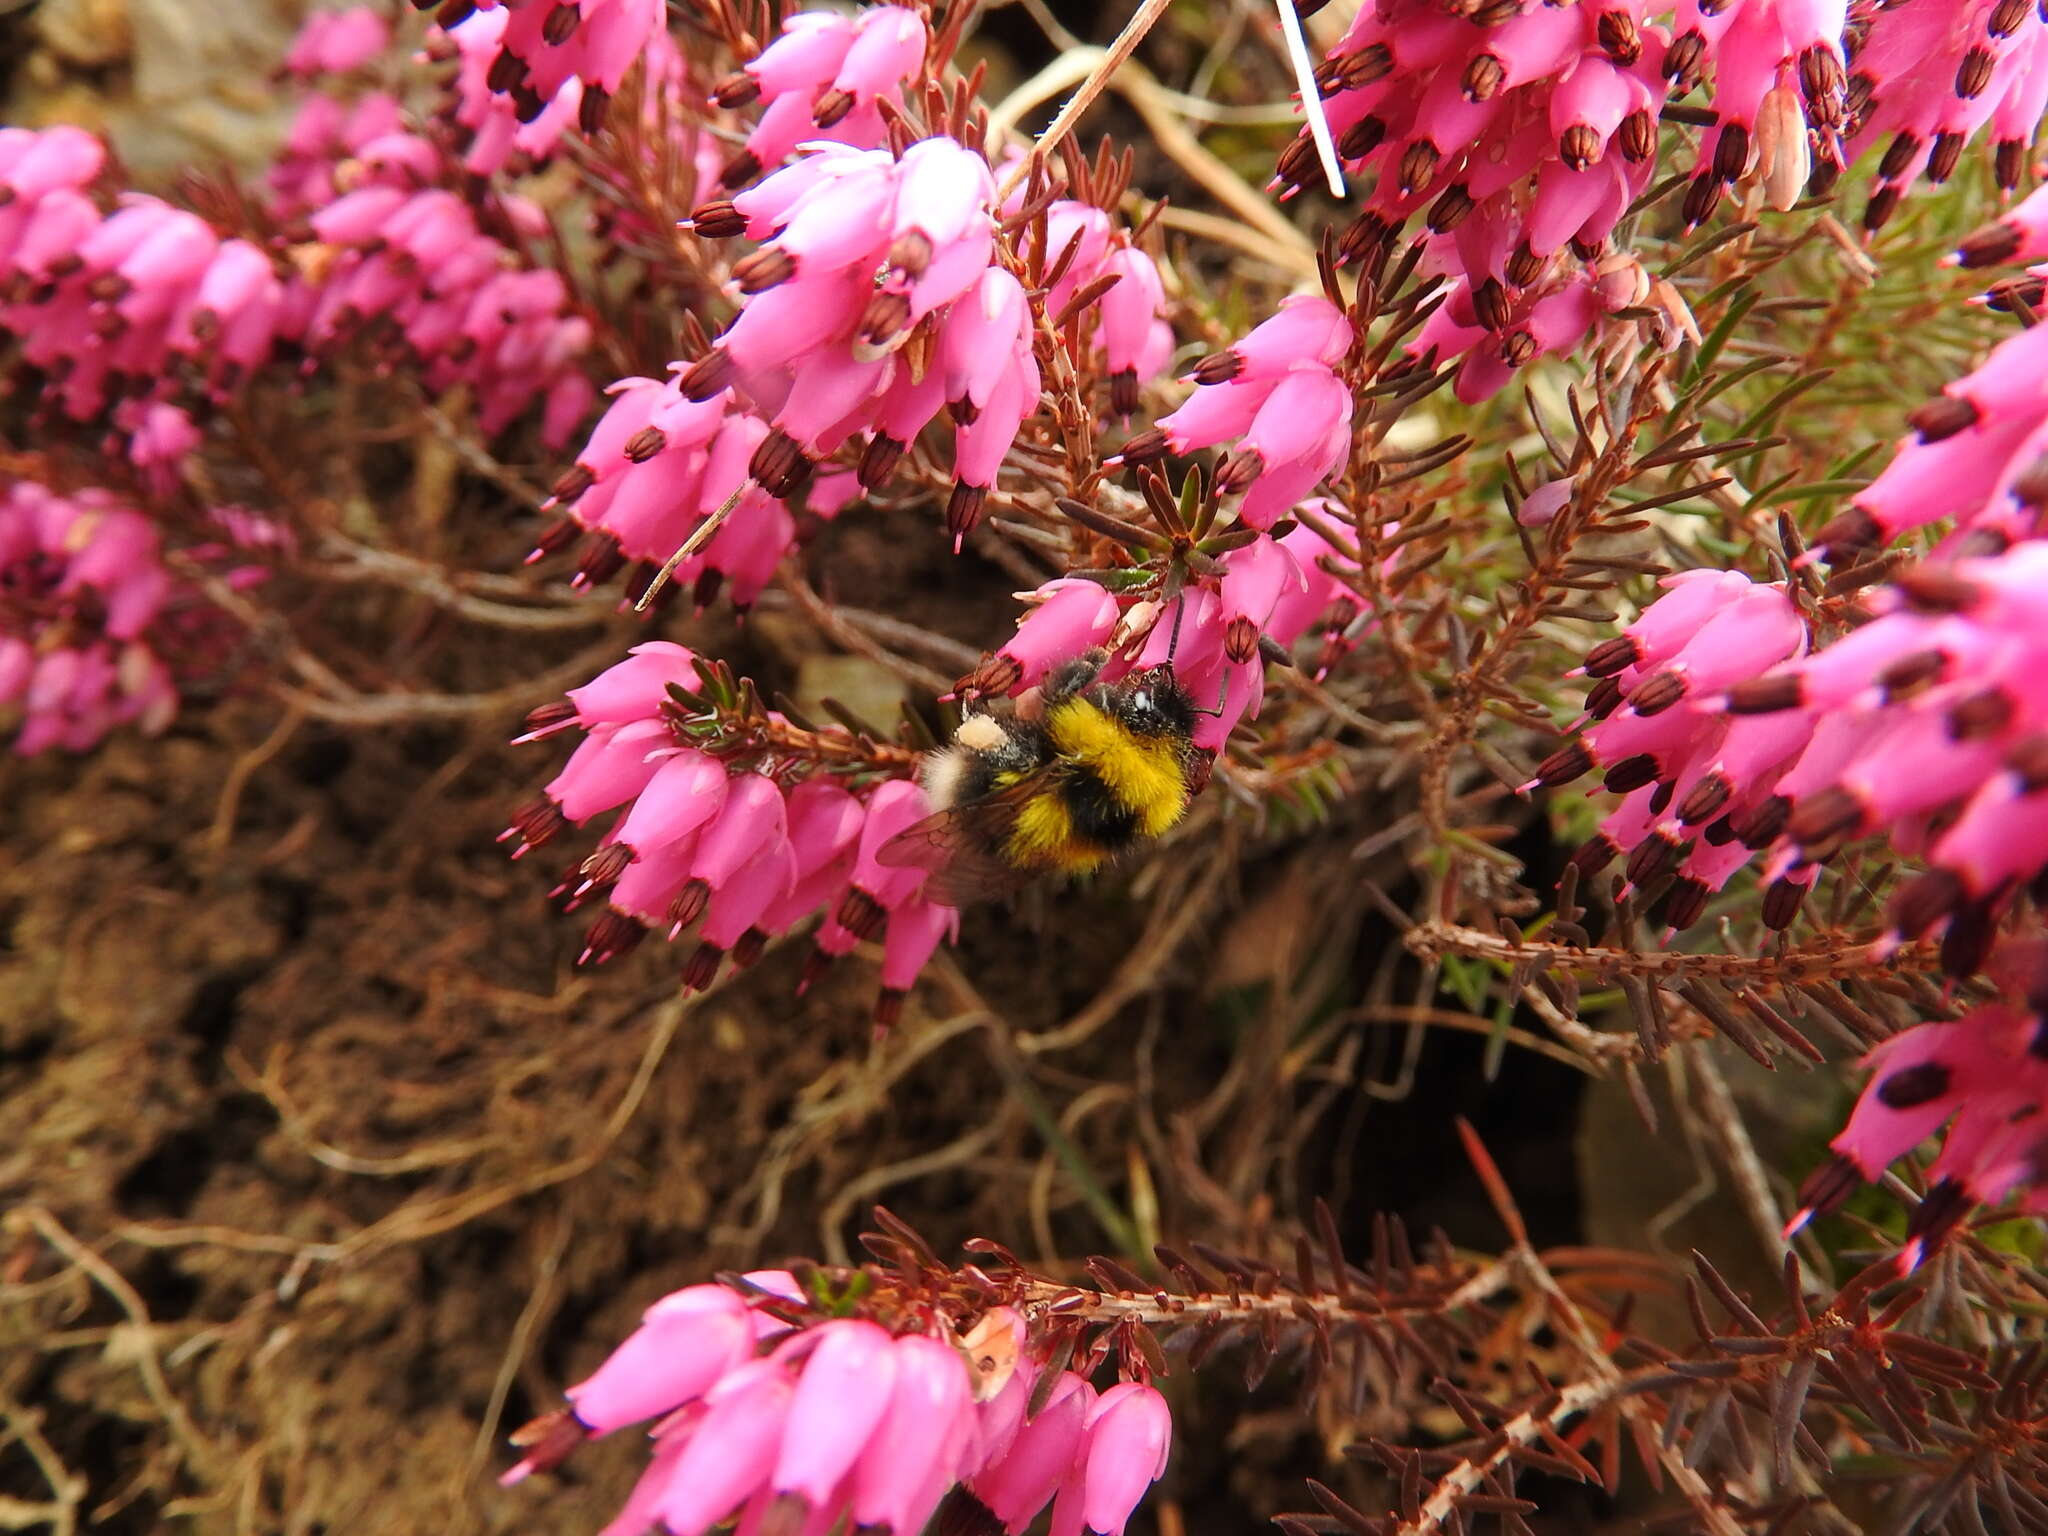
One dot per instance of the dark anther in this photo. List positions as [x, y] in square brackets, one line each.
[1703, 802]
[572, 483]
[1942, 157]
[1847, 532]
[1764, 695]
[1924, 901]
[1620, 38]
[1981, 716]
[1943, 417]
[779, 465]
[1974, 73]
[1759, 826]
[1657, 692]
[645, 444]
[738, 89]
[1990, 246]
[1781, 903]
[1631, 773]
[1362, 137]
[1579, 146]
[1612, 656]
[1913, 1086]
[1825, 815]
[717, 220]
[1565, 764]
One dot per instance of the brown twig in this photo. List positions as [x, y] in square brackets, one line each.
[1824, 960]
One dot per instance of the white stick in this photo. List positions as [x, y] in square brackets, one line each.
[699, 537]
[1311, 97]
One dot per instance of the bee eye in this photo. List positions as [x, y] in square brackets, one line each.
[1141, 700]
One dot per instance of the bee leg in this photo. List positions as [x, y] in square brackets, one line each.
[1071, 677]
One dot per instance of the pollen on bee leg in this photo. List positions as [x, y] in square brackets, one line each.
[984, 733]
[942, 772]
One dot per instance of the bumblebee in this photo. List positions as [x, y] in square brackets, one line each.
[1090, 772]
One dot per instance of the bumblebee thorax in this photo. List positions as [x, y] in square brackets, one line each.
[1153, 704]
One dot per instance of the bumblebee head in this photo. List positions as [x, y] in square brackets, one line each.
[1153, 703]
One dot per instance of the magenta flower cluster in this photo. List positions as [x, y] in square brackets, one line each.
[657, 464]
[1931, 714]
[548, 52]
[533, 69]
[106, 306]
[394, 260]
[1277, 396]
[1521, 133]
[823, 81]
[139, 307]
[862, 254]
[1521, 139]
[861, 248]
[744, 853]
[1924, 726]
[1274, 590]
[846, 1423]
[82, 587]
[1922, 723]
[1984, 1077]
[1925, 80]
[1702, 789]
[1973, 459]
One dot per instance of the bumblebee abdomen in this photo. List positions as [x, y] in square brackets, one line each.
[1097, 814]
[1044, 836]
[1139, 775]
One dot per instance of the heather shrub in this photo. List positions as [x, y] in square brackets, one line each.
[1549, 549]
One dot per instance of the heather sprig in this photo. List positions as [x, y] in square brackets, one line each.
[774, 1408]
[82, 587]
[734, 821]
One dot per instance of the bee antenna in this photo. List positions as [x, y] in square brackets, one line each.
[1180, 608]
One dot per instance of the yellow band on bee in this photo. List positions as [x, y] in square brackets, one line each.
[1043, 838]
[1144, 773]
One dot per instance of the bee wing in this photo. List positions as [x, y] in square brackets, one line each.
[955, 845]
[971, 878]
